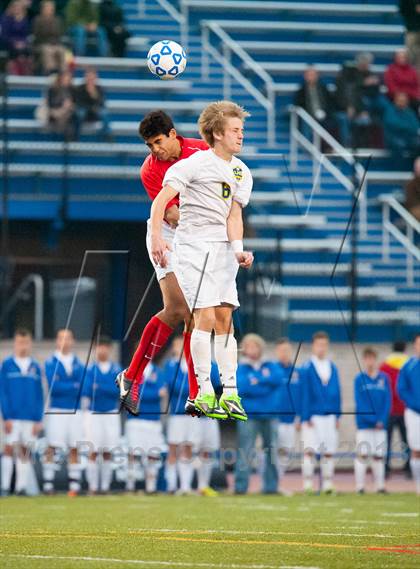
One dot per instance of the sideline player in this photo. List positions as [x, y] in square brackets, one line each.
[408, 387]
[103, 422]
[213, 186]
[321, 411]
[64, 421]
[166, 149]
[21, 398]
[372, 394]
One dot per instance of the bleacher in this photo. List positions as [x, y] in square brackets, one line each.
[282, 38]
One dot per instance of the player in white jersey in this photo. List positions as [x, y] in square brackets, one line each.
[213, 186]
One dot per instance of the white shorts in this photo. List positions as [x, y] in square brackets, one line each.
[412, 424]
[206, 273]
[182, 429]
[64, 429]
[168, 235]
[371, 442]
[209, 435]
[145, 437]
[322, 437]
[21, 433]
[286, 435]
[103, 431]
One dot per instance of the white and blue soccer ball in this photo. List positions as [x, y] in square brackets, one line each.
[166, 59]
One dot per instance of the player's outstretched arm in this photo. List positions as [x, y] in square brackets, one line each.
[235, 231]
[157, 213]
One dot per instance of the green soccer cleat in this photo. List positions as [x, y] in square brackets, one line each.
[233, 407]
[209, 406]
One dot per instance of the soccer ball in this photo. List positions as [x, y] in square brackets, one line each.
[166, 59]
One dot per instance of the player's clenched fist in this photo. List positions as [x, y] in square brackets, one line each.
[245, 259]
[159, 249]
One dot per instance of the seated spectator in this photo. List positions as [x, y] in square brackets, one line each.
[47, 30]
[410, 12]
[401, 77]
[14, 30]
[401, 128]
[111, 18]
[82, 20]
[61, 106]
[357, 101]
[90, 99]
[412, 192]
[315, 98]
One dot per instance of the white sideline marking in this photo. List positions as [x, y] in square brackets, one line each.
[401, 515]
[160, 563]
[252, 532]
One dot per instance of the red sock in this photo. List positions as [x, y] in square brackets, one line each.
[192, 378]
[154, 337]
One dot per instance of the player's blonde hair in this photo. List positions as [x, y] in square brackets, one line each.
[213, 118]
[254, 338]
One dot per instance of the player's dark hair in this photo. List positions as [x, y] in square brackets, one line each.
[320, 336]
[283, 340]
[369, 351]
[399, 346]
[23, 332]
[104, 341]
[155, 123]
[416, 336]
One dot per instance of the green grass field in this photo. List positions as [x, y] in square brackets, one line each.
[229, 532]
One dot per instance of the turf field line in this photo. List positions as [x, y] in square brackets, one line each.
[262, 542]
[400, 514]
[395, 550]
[251, 532]
[154, 562]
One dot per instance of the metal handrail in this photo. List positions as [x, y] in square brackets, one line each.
[389, 228]
[230, 72]
[319, 159]
[175, 15]
[38, 283]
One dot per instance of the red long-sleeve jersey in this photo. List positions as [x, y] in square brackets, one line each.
[153, 170]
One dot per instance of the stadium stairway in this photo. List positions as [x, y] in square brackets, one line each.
[98, 180]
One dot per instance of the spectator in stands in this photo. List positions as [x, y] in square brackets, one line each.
[61, 106]
[412, 192]
[82, 19]
[410, 12]
[21, 398]
[47, 31]
[357, 101]
[15, 30]
[257, 382]
[90, 101]
[401, 128]
[103, 422]
[111, 18]
[391, 366]
[315, 98]
[401, 77]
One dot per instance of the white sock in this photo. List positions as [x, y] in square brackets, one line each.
[282, 463]
[106, 475]
[226, 355]
[75, 474]
[201, 355]
[6, 472]
[92, 475]
[378, 469]
[204, 472]
[130, 483]
[48, 475]
[151, 472]
[327, 472]
[415, 469]
[185, 475]
[360, 467]
[22, 471]
[171, 477]
[308, 472]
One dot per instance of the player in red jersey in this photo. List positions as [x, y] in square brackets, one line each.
[166, 148]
